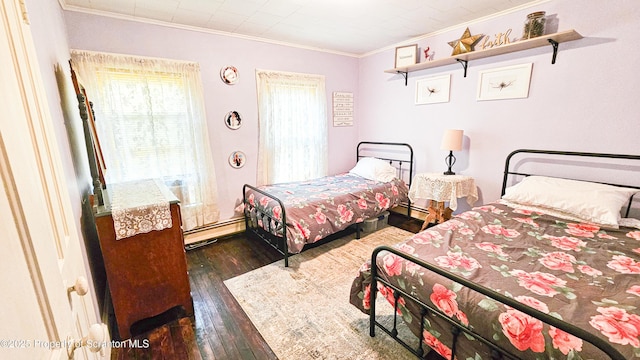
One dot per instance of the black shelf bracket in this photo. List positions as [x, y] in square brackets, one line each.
[464, 65]
[404, 74]
[555, 50]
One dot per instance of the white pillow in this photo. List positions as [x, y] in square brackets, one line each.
[549, 211]
[586, 201]
[374, 169]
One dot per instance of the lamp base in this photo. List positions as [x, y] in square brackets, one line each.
[449, 160]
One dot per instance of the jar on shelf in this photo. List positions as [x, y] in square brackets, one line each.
[534, 26]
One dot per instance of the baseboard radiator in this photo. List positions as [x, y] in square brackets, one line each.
[202, 236]
[206, 235]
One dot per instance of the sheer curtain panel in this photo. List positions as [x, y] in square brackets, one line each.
[151, 123]
[293, 127]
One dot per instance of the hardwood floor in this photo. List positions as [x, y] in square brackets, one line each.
[221, 329]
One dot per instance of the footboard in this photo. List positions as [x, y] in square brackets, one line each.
[269, 226]
[272, 229]
[457, 328]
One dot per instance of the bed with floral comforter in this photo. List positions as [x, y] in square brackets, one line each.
[318, 208]
[580, 273]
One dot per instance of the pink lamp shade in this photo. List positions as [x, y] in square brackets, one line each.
[452, 140]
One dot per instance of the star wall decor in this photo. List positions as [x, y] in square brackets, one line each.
[465, 43]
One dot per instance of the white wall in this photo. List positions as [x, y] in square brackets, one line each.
[585, 102]
[212, 52]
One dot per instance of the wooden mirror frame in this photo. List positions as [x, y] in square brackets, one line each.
[94, 151]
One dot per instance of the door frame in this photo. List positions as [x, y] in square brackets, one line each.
[47, 252]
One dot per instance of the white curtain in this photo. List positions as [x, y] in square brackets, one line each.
[151, 123]
[293, 126]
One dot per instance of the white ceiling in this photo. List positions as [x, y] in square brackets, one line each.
[353, 27]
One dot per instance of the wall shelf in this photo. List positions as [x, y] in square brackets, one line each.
[463, 59]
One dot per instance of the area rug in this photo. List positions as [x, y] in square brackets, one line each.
[303, 312]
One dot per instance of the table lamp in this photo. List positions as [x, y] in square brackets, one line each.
[452, 141]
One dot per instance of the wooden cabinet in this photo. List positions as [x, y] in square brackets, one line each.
[146, 273]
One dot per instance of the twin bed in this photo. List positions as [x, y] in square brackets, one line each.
[291, 216]
[549, 271]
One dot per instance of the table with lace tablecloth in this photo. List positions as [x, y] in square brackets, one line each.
[438, 189]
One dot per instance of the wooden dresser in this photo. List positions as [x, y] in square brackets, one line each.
[146, 272]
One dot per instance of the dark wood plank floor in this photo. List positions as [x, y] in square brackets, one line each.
[221, 329]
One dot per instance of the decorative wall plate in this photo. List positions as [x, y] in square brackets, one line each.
[233, 120]
[229, 74]
[237, 159]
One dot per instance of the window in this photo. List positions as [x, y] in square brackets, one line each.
[293, 127]
[151, 123]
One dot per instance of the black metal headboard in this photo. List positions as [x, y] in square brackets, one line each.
[404, 155]
[399, 155]
[508, 172]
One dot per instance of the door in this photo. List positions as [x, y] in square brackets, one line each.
[41, 253]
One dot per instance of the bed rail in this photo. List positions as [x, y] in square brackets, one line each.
[457, 328]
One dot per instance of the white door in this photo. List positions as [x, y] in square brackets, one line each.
[40, 249]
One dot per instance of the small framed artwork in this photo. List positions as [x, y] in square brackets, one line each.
[342, 108]
[510, 82]
[433, 89]
[233, 120]
[237, 159]
[229, 75]
[406, 55]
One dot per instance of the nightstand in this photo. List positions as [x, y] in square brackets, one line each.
[438, 189]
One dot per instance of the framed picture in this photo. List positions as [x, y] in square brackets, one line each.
[510, 82]
[433, 90]
[229, 75]
[342, 108]
[406, 55]
[237, 159]
[233, 120]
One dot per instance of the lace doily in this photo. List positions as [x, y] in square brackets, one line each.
[139, 207]
[440, 187]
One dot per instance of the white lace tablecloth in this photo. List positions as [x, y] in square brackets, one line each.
[440, 187]
[139, 207]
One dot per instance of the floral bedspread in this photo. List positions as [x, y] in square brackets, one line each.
[579, 273]
[317, 208]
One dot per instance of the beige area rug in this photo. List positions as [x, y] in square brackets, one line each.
[303, 312]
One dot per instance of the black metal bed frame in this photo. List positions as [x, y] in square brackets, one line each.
[497, 352]
[252, 214]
